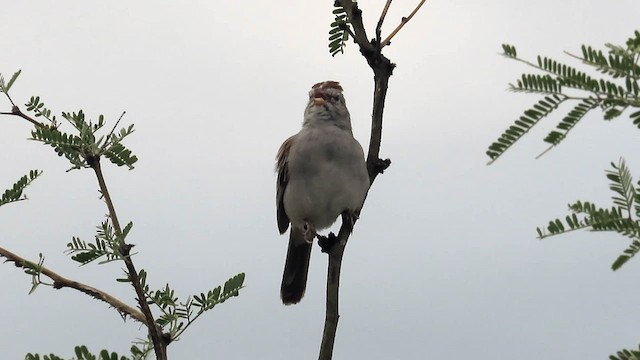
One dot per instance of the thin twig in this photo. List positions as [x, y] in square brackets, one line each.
[60, 282]
[348, 30]
[403, 22]
[116, 125]
[155, 332]
[10, 99]
[381, 20]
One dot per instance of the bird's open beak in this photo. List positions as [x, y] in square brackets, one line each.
[318, 101]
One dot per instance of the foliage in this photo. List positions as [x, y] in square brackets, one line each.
[626, 355]
[82, 353]
[5, 86]
[339, 33]
[15, 193]
[623, 217]
[613, 95]
[107, 243]
[560, 83]
[178, 315]
[83, 148]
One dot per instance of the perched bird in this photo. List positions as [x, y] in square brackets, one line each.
[321, 174]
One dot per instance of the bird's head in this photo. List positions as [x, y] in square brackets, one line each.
[327, 104]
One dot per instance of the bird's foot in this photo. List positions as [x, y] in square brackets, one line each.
[327, 242]
[309, 232]
[381, 165]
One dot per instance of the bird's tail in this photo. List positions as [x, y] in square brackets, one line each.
[294, 278]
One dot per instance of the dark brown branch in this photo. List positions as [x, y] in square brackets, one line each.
[403, 22]
[382, 70]
[60, 282]
[355, 18]
[17, 112]
[160, 341]
[334, 247]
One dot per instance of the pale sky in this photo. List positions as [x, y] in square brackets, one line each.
[444, 262]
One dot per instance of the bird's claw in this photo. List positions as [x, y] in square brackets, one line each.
[309, 232]
[327, 242]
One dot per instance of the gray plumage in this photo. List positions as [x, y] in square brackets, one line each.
[321, 174]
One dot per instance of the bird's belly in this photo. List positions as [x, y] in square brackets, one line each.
[320, 200]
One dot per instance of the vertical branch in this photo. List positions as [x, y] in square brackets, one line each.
[382, 69]
[382, 72]
[155, 332]
[381, 20]
[335, 252]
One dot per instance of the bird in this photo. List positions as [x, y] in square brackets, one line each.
[321, 174]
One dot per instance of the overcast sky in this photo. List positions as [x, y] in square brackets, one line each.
[444, 262]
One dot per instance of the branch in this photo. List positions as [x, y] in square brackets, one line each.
[355, 18]
[404, 21]
[15, 110]
[382, 70]
[382, 16]
[160, 341]
[60, 282]
[334, 247]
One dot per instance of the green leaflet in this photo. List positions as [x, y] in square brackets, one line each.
[15, 193]
[338, 34]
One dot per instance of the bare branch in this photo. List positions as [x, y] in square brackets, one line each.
[403, 22]
[60, 282]
[334, 247]
[382, 16]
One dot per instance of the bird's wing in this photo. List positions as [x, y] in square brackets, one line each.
[282, 167]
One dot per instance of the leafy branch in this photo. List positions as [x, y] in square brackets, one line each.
[84, 147]
[83, 353]
[623, 217]
[341, 28]
[15, 193]
[559, 83]
[614, 95]
[177, 315]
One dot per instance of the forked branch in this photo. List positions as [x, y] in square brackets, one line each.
[403, 22]
[382, 70]
[160, 341]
